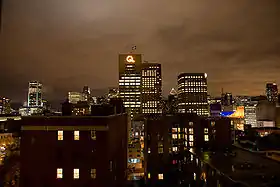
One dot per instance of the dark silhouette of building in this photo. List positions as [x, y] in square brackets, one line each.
[68, 151]
[272, 92]
[168, 138]
[66, 108]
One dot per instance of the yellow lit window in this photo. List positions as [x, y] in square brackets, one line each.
[149, 175]
[191, 144]
[191, 138]
[206, 138]
[190, 130]
[174, 136]
[160, 150]
[174, 149]
[93, 173]
[93, 135]
[59, 135]
[76, 174]
[149, 150]
[59, 173]
[205, 130]
[160, 176]
[212, 123]
[179, 129]
[76, 135]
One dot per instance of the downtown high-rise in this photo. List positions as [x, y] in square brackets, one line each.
[151, 88]
[272, 92]
[35, 94]
[130, 82]
[192, 93]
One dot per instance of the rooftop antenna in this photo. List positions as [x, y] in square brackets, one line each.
[133, 49]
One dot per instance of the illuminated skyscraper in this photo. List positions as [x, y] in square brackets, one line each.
[192, 93]
[130, 81]
[86, 93]
[35, 94]
[5, 106]
[151, 88]
[272, 92]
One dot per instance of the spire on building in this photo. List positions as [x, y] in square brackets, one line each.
[173, 91]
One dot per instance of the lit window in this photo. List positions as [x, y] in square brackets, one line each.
[212, 123]
[194, 176]
[174, 136]
[76, 173]
[149, 175]
[206, 138]
[205, 130]
[174, 148]
[59, 135]
[59, 173]
[190, 123]
[191, 138]
[190, 130]
[160, 150]
[93, 173]
[160, 176]
[93, 135]
[191, 144]
[149, 150]
[174, 129]
[76, 135]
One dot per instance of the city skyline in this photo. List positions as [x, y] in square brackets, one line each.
[68, 44]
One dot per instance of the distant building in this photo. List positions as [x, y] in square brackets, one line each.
[5, 106]
[81, 108]
[151, 88]
[215, 109]
[113, 93]
[266, 111]
[227, 99]
[250, 114]
[35, 94]
[86, 93]
[74, 151]
[192, 93]
[75, 97]
[130, 81]
[272, 92]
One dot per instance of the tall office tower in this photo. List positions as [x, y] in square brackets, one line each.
[130, 81]
[35, 94]
[151, 88]
[192, 93]
[227, 99]
[86, 93]
[5, 106]
[75, 97]
[272, 92]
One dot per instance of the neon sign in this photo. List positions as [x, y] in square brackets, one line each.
[130, 59]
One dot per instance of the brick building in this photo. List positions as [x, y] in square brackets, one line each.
[69, 151]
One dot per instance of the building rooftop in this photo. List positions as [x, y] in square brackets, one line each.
[245, 167]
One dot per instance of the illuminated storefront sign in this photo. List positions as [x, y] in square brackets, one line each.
[130, 59]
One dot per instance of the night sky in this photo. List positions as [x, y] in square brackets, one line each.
[69, 43]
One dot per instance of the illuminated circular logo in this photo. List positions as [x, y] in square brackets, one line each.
[130, 59]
